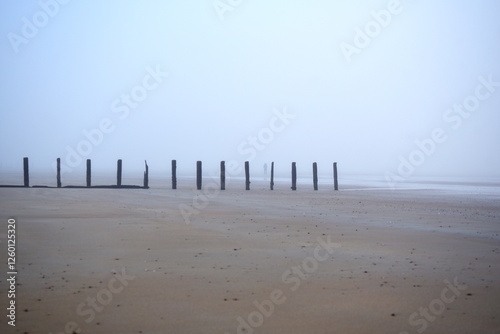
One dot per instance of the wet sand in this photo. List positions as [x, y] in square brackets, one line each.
[187, 261]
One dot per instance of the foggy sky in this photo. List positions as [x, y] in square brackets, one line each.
[400, 88]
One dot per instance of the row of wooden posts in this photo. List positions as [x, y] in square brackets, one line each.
[247, 175]
[174, 176]
[88, 178]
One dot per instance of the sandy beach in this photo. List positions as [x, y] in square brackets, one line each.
[186, 261]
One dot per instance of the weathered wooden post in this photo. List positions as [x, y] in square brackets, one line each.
[26, 172]
[335, 182]
[89, 173]
[174, 174]
[146, 176]
[294, 176]
[198, 175]
[272, 176]
[119, 173]
[247, 175]
[222, 175]
[58, 177]
[315, 176]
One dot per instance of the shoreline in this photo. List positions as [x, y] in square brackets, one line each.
[488, 184]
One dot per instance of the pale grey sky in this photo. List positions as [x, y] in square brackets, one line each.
[400, 88]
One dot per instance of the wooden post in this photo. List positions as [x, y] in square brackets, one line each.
[119, 173]
[198, 175]
[89, 173]
[146, 176]
[315, 176]
[174, 174]
[247, 175]
[272, 176]
[58, 173]
[294, 176]
[335, 182]
[26, 172]
[222, 175]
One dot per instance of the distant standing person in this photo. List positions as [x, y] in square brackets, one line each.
[265, 171]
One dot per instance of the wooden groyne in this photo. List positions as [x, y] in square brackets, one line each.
[118, 184]
[199, 176]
